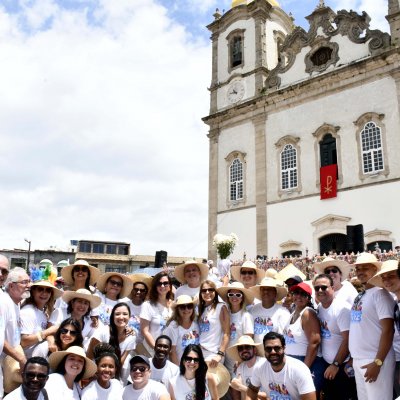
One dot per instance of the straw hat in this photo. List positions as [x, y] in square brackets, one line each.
[56, 292]
[271, 273]
[11, 372]
[223, 378]
[235, 271]
[289, 271]
[66, 272]
[180, 270]
[141, 278]
[331, 262]
[90, 367]
[244, 340]
[368, 258]
[183, 299]
[387, 266]
[126, 287]
[270, 282]
[82, 294]
[248, 295]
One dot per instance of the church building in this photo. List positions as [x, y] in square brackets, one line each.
[304, 130]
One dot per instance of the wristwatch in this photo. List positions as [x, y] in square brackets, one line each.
[378, 362]
[336, 364]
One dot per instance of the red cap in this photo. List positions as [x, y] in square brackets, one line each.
[303, 287]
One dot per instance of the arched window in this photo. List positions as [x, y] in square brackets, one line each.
[371, 148]
[235, 42]
[288, 167]
[236, 180]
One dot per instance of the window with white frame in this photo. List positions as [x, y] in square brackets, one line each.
[236, 180]
[371, 147]
[289, 167]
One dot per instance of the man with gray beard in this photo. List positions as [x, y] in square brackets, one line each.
[17, 287]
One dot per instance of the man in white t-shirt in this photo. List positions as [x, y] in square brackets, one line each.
[190, 274]
[268, 315]
[285, 378]
[143, 388]
[371, 334]
[334, 316]
[4, 269]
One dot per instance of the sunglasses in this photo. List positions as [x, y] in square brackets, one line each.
[140, 369]
[245, 347]
[4, 271]
[64, 331]
[249, 272]
[208, 290]
[192, 359]
[334, 270]
[115, 283]
[81, 269]
[165, 283]
[186, 306]
[32, 375]
[42, 289]
[321, 287]
[276, 349]
[137, 290]
[239, 295]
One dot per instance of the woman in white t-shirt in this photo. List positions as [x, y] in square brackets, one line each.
[70, 367]
[156, 312]
[182, 328]
[118, 335]
[193, 380]
[105, 387]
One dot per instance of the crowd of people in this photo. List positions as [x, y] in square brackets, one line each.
[245, 331]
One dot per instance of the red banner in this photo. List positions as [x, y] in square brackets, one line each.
[328, 181]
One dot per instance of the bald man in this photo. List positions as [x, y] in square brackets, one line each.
[4, 269]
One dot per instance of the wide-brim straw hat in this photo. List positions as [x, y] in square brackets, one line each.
[127, 284]
[90, 367]
[56, 292]
[387, 266]
[244, 340]
[281, 290]
[247, 293]
[368, 258]
[235, 271]
[331, 262]
[66, 272]
[141, 278]
[82, 294]
[12, 377]
[289, 271]
[223, 378]
[184, 299]
[180, 270]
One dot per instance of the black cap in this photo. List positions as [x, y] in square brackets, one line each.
[139, 359]
[295, 278]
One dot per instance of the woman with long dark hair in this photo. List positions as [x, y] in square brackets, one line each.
[68, 334]
[193, 380]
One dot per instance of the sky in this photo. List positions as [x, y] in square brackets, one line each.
[101, 135]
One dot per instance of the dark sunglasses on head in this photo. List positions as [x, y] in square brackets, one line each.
[186, 306]
[321, 287]
[4, 271]
[139, 368]
[81, 269]
[64, 331]
[115, 283]
[300, 293]
[192, 359]
[165, 283]
[137, 290]
[235, 295]
[244, 347]
[41, 289]
[334, 270]
[208, 290]
[276, 349]
[32, 375]
[249, 272]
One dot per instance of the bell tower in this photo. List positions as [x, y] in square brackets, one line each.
[393, 18]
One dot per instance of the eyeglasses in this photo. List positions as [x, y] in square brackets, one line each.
[164, 283]
[42, 289]
[186, 306]
[334, 270]
[4, 271]
[244, 347]
[137, 290]
[64, 331]
[25, 282]
[192, 359]
[208, 290]
[32, 375]
[276, 349]
[140, 369]
[247, 272]
[235, 295]
[321, 287]
[115, 283]
[81, 269]
[300, 293]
